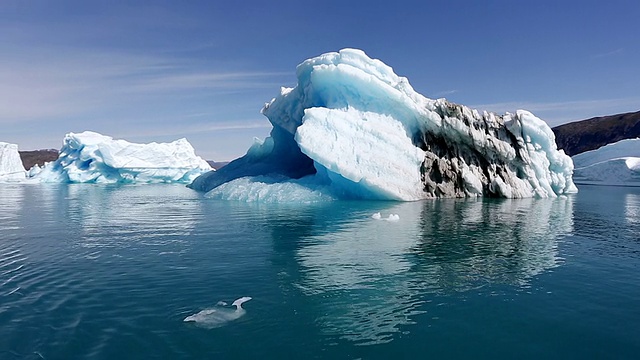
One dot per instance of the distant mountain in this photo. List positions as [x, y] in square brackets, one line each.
[30, 158]
[580, 136]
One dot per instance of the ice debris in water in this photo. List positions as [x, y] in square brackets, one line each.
[392, 217]
[219, 315]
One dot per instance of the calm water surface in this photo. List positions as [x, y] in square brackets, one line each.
[110, 272]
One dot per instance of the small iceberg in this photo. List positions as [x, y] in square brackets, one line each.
[220, 315]
[392, 217]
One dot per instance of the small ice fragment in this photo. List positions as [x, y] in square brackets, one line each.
[220, 315]
[376, 216]
[393, 217]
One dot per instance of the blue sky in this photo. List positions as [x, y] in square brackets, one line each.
[160, 70]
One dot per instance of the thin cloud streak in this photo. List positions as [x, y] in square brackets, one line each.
[445, 93]
[556, 113]
[203, 80]
[608, 54]
[34, 86]
[177, 130]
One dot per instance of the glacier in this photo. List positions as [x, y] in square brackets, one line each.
[613, 164]
[11, 168]
[90, 157]
[354, 129]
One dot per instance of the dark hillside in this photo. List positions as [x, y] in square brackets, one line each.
[580, 136]
[30, 158]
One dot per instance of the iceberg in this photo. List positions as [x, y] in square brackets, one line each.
[11, 168]
[615, 164]
[359, 131]
[89, 157]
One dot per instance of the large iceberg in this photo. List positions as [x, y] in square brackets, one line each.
[613, 164]
[361, 131]
[11, 168]
[90, 157]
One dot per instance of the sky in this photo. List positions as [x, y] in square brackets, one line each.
[148, 71]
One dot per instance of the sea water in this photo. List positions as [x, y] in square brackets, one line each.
[111, 272]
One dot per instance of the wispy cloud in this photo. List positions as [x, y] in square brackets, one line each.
[608, 53]
[445, 93]
[556, 113]
[202, 80]
[60, 82]
[180, 129]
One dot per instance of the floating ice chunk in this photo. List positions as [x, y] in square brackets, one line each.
[220, 315]
[620, 149]
[92, 157]
[623, 171]
[613, 164]
[11, 168]
[393, 217]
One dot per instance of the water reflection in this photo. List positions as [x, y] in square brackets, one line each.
[505, 241]
[632, 208]
[128, 214]
[369, 278]
[11, 197]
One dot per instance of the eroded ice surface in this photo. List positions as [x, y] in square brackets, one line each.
[92, 157]
[11, 168]
[613, 164]
[358, 130]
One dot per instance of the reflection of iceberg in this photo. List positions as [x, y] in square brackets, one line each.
[134, 214]
[632, 208]
[494, 241]
[362, 277]
[370, 278]
[11, 196]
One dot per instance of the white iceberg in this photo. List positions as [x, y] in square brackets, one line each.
[361, 131]
[613, 164]
[11, 168]
[90, 157]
